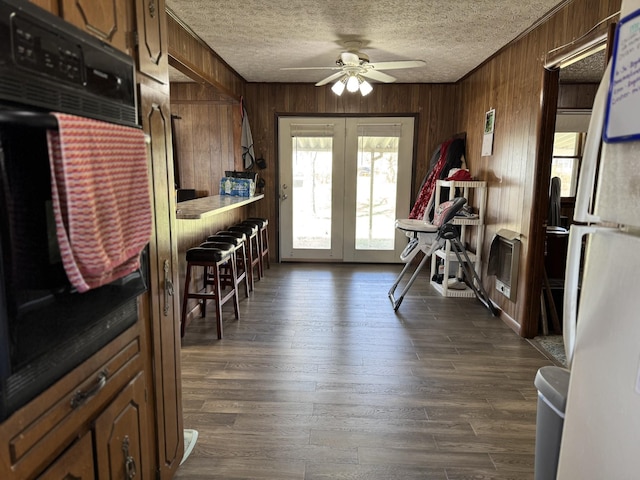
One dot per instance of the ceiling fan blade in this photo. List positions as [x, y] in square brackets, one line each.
[396, 65]
[379, 76]
[349, 58]
[311, 68]
[330, 78]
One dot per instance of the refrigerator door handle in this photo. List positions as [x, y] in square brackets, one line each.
[571, 283]
[586, 182]
[572, 278]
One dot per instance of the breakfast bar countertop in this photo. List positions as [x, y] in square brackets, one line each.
[207, 206]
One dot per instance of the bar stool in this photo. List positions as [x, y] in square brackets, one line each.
[253, 248]
[210, 255]
[245, 257]
[240, 259]
[262, 223]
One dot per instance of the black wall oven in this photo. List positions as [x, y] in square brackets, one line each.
[47, 327]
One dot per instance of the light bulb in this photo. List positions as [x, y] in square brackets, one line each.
[338, 87]
[365, 88]
[353, 84]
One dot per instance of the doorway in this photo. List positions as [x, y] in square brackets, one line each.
[343, 181]
[572, 80]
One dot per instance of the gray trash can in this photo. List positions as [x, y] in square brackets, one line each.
[552, 384]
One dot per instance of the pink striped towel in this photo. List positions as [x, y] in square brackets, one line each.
[100, 196]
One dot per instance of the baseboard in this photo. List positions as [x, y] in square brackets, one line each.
[510, 322]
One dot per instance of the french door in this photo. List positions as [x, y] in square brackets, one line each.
[343, 182]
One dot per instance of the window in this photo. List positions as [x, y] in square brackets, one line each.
[567, 155]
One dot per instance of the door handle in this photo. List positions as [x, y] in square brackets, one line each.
[168, 288]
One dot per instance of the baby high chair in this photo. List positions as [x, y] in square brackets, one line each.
[424, 238]
[429, 237]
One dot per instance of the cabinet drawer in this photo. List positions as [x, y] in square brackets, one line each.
[41, 430]
[75, 463]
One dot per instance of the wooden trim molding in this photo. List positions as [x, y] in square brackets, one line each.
[530, 308]
[596, 38]
[189, 54]
[574, 52]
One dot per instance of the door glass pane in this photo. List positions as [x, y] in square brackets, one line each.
[376, 192]
[311, 192]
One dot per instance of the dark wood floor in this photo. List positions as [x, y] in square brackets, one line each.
[320, 379]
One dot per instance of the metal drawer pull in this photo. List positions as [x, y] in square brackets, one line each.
[81, 397]
[129, 461]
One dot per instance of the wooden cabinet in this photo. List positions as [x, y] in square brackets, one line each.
[121, 436]
[133, 415]
[49, 5]
[42, 435]
[107, 20]
[164, 304]
[75, 463]
[151, 51]
[163, 299]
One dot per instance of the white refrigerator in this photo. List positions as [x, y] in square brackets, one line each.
[601, 434]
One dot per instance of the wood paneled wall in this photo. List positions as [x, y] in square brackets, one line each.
[207, 135]
[189, 54]
[512, 83]
[433, 104]
[577, 95]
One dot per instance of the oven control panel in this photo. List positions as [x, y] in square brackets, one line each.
[48, 63]
[45, 52]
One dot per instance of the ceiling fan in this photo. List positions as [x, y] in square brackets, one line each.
[355, 67]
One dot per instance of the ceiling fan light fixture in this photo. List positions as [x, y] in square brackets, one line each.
[353, 84]
[365, 88]
[338, 87]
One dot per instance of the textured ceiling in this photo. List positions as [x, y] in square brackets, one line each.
[259, 37]
[587, 70]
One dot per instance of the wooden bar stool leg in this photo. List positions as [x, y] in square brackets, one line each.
[265, 246]
[243, 261]
[253, 250]
[216, 292]
[236, 302]
[257, 258]
[185, 298]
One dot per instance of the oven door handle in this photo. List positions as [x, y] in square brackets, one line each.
[20, 118]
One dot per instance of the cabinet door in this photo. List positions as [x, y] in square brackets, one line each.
[49, 5]
[74, 464]
[163, 290]
[105, 19]
[152, 49]
[121, 434]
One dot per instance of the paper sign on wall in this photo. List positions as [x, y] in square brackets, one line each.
[487, 138]
[622, 121]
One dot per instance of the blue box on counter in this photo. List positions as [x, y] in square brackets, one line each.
[237, 187]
